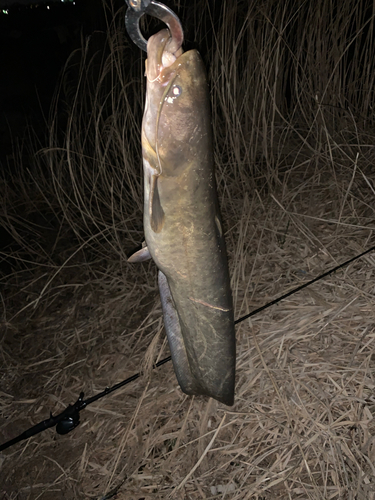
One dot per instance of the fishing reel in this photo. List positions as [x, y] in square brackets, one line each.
[68, 424]
[69, 418]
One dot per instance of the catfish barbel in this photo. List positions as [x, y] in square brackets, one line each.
[182, 223]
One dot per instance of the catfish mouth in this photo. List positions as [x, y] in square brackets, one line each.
[158, 56]
[161, 73]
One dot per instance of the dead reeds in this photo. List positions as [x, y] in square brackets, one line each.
[292, 101]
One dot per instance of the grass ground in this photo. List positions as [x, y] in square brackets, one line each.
[292, 98]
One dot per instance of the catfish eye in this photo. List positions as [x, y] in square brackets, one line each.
[175, 92]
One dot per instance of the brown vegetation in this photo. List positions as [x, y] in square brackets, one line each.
[292, 88]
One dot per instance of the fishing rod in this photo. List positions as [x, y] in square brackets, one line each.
[68, 419]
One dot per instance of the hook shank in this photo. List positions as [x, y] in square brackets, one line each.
[138, 8]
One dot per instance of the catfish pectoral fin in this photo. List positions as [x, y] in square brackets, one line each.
[156, 210]
[175, 338]
[140, 255]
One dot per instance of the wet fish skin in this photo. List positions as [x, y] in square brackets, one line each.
[182, 222]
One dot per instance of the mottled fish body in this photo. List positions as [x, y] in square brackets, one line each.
[182, 222]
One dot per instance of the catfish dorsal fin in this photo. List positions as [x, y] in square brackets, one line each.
[156, 210]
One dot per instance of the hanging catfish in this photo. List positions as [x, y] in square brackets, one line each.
[182, 222]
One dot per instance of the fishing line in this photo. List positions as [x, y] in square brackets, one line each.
[275, 301]
[68, 420]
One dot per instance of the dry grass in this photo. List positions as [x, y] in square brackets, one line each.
[292, 93]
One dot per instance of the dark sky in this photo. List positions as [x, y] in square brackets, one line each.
[9, 3]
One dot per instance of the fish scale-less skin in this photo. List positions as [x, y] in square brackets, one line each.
[183, 226]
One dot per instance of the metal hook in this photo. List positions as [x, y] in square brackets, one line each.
[137, 8]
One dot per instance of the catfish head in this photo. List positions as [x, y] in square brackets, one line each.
[176, 122]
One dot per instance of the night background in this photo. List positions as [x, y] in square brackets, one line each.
[292, 90]
[36, 39]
